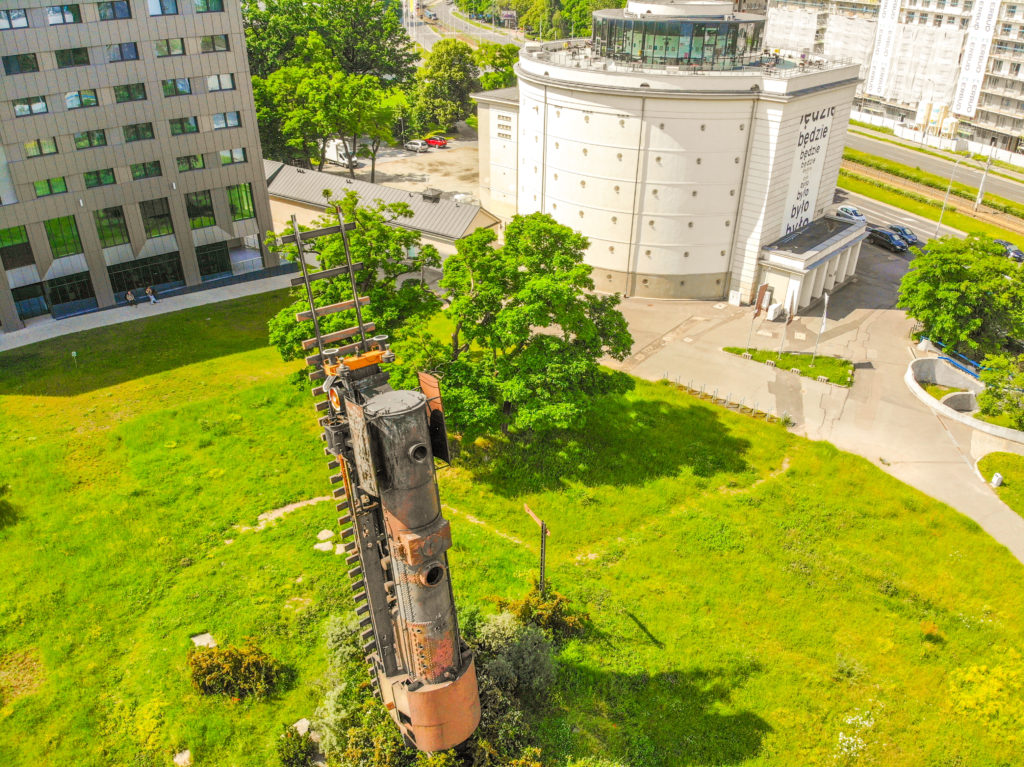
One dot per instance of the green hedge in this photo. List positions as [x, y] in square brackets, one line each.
[876, 128]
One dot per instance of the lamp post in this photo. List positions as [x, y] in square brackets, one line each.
[946, 198]
[981, 186]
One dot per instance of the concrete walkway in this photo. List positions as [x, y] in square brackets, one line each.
[42, 328]
[878, 418]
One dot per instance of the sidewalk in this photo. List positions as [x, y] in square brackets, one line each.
[43, 328]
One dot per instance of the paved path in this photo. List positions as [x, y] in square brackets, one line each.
[878, 418]
[42, 328]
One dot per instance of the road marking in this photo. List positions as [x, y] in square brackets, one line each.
[800, 336]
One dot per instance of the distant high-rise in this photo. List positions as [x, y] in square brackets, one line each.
[129, 153]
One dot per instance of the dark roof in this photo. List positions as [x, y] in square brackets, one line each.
[813, 235]
[436, 216]
[506, 95]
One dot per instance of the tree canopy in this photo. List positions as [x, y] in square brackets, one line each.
[495, 62]
[527, 334]
[388, 253]
[449, 74]
[966, 294]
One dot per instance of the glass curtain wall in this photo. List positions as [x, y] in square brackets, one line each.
[710, 44]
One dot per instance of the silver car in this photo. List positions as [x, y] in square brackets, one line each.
[417, 145]
[850, 213]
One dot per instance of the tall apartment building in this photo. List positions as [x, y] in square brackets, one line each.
[129, 153]
[952, 67]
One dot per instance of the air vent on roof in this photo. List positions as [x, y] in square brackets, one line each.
[431, 195]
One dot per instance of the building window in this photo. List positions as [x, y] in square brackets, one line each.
[1011, 11]
[62, 234]
[74, 293]
[16, 18]
[214, 261]
[118, 9]
[72, 57]
[226, 120]
[50, 186]
[20, 63]
[200, 209]
[177, 86]
[111, 227]
[213, 43]
[208, 6]
[122, 52]
[15, 251]
[141, 170]
[34, 105]
[183, 125]
[94, 178]
[220, 83]
[63, 14]
[133, 92]
[163, 7]
[137, 132]
[240, 199]
[40, 147]
[156, 217]
[190, 162]
[81, 99]
[163, 270]
[232, 156]
[174, 46]
[88, 139]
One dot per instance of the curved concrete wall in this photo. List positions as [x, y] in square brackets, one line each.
[961, 401]
[936, 371]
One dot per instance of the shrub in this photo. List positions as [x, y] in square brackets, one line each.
[295, 750]
[515, 656]
[236, 671]
[551, 613]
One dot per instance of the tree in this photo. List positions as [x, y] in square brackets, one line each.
[526, 332]
[965, 294]
[1003, 377]
[449, 75]
[365, 37]
[388, 252]
[365, 110]
[496, 63]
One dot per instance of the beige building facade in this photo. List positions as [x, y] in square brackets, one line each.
[129, 153]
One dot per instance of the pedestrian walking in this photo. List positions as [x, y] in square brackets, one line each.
[151, 292]
[130, 299]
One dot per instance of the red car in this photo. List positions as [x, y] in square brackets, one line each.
[437, 141]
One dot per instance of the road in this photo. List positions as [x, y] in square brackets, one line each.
[1002, 187]
[419, 30]
[880, 214]
[446, 16]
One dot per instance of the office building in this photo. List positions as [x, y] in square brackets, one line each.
[678, 148]
[129, 153]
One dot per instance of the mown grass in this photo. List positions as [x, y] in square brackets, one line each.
[835, 369]
[752, 592]
[939, 391]
[1011, 466]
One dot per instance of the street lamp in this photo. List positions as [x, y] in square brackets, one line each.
[946, 198]
[981, 186]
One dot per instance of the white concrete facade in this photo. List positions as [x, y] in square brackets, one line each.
[676, 178]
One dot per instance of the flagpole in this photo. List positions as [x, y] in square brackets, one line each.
[785, 327]
[757, 310]
[821, 327]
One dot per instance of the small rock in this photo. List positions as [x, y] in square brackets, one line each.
[324, 535]
[203, 640]
[324, 546]
[339, 548]
[183, 758]
[229, 541]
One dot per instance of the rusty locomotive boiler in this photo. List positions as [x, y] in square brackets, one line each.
[383, 443]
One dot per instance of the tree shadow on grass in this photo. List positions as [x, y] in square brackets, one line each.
[623, 442]
[8, 514]
[668, 719]
[113, 354]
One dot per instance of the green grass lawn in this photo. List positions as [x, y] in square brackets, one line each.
[1001, 419]
[938, 391]
[838, 371]
[757, 598]
[1011, 466]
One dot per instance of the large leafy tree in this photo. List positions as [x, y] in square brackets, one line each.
[365, 37]
[527, 332]
[393, 262]
[965, 294]
[448, 76]
[367, 115]
[496, 62]
[1003, 377]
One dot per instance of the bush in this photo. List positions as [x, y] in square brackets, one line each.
[516, 657]
[236, 671]
[551, 613]
[295, 750]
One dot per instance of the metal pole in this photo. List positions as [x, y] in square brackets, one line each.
[543, 554]
[351, 278]
[782, 340]
[946, 198]
[309, 289]
[981, 186]
[750, 333]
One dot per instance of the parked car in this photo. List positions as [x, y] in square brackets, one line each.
[905, 234]
[887, 239]
[431, 15]
[1010, 250]
[437, 141]
[417, 145]
[850, 213]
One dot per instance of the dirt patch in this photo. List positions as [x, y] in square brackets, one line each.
[21, 673]
[475, 521]
[267, 517]
[771, 475]
[297, 603]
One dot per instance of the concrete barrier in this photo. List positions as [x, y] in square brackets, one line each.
[961, 401]
[932, 370]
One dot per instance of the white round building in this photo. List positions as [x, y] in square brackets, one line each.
[675, 143]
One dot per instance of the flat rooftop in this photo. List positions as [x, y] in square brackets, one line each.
[813, 235]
